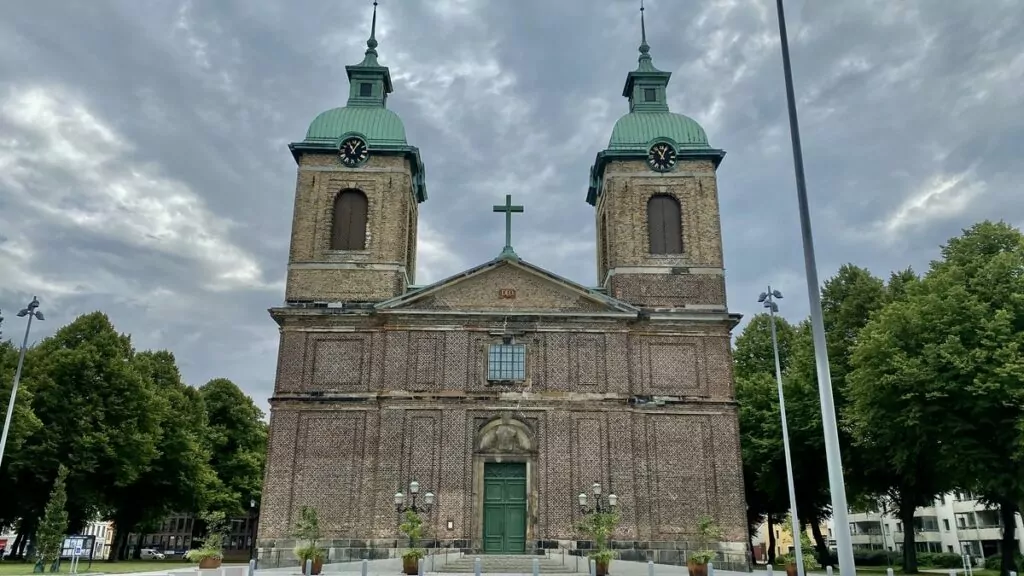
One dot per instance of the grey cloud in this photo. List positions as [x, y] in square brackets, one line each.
[897, 101]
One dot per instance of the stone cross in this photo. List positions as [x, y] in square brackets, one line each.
[508, 209]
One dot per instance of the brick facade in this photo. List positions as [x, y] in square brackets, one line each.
[629, 384]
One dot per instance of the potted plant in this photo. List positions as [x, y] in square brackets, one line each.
[307, 531]
[789, 560]
[412, 527]
[598, 528]
[707, 532]
[210, 554]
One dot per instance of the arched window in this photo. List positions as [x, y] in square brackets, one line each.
[348, 230]
[664, 225]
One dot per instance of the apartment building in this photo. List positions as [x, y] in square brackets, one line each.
[954, 523]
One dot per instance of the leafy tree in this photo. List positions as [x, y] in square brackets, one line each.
[50, 536]
[24, 423]
[237, 439]
[974, 301]
[176, 480]
[764, 466]
[98, 418]
[753, 353]
[897, 409]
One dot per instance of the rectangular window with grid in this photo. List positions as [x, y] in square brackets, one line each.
[506, 362]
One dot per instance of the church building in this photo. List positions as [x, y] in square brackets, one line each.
[494, 398]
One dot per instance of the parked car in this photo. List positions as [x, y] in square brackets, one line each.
[151, 554]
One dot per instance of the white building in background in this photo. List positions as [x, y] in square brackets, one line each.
[955, 523]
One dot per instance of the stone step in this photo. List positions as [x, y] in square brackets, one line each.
[522, 564]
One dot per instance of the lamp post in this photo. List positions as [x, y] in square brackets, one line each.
[252, 528]
[601, 504]
[768, 298]
[414, 490]
[32, 312]
[844, 544]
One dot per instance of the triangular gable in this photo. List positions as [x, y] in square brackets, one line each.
[511, 286]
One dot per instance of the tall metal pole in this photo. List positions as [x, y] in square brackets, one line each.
[31, 312]
[797, 546]
[828, 411]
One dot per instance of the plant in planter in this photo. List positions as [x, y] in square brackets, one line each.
[210, 554]
[790, 562]
[707, 532]
[412, 527]
[598, 527]
[307, 530]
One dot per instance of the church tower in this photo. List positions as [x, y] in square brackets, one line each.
[358, 187]
[659, 241]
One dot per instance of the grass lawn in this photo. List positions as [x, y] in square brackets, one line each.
[13, 568]
[873, 570]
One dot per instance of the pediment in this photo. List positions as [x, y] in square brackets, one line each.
[508, 286]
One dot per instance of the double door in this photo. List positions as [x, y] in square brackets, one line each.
[505, 507]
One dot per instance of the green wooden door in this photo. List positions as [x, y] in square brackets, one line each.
[505, 507]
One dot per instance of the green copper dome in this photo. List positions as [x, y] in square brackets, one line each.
[637, 130]
[379, 126]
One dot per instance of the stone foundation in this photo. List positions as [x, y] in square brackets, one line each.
[731, 555]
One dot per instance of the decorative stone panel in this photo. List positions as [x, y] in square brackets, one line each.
[506, 288]
[339, 363]
[669, 290]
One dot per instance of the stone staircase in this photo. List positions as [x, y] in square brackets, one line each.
[510, 564]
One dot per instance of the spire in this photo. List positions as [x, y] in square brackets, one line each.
[370, 83]
[370, 58]
[645, 49]
[645, 86]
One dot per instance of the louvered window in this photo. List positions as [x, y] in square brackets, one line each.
[348, 230]
[664, 225]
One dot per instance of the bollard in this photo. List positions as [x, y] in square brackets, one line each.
[476, 566]
[419, 569]
[650, 568]
[828, 570]
[952, 573]
[252, 567]
[222, 572]
[711, 569]
[593, 567]
[432, 562]
[888, 572]
[365, 568]
[1012, 573]
[769, 570]
[536, 567]
[309, 567]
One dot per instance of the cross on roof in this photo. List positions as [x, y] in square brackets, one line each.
[508, 209]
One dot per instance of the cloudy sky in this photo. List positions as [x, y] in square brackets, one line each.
[144, 169]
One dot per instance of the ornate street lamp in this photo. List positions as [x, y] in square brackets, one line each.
[414, 490]
[601, 504]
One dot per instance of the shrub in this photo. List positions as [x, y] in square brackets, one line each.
[939, 560]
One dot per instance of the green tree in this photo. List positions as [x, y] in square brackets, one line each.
[54, 525]
[98, 418]
[24, 424]
[176, 480]
[974, 297]
[764, 467]
[897, 409]
[237, 439]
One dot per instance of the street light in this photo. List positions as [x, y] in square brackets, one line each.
[769, 298]
[414, 490]
[834, 460]
[32, 312]
[601, 505]
[252, 529]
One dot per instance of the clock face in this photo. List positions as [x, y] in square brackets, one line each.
[353, 152]
[661, 157]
